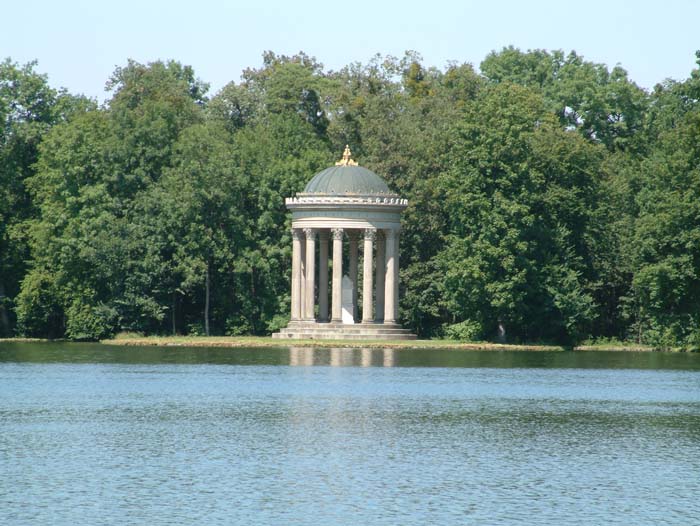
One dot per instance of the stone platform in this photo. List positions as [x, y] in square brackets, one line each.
[342, 331]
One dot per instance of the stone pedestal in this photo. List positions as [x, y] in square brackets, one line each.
[348, 303]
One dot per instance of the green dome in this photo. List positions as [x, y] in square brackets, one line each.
[347, 180]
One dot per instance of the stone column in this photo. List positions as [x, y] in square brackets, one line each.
[396, 274]
[379, 276]
[302, 271]
[323, 276]
[389, 284]
[352, 271]
[367, 314]
[309, 304]
[337, 310]
[296, 274]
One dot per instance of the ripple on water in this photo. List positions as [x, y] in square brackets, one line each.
[129, 443]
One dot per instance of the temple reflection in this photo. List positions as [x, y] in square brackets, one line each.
[341, 357]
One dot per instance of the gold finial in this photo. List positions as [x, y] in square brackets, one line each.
[346, 160]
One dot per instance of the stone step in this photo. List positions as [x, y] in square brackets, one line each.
[343, 336]
[310, 330]
[346, 331]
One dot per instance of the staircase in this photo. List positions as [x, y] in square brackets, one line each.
[305, 330]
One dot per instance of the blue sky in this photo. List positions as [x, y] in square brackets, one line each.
[79, 43]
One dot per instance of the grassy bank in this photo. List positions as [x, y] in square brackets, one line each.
[620, 347]
[266, 341]
[26, 340]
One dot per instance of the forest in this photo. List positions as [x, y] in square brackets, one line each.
[548, 194]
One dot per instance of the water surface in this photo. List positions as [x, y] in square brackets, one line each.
[104, 435]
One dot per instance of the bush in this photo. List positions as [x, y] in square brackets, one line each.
[238, 326]
[90, 322]
[39, 312]
[195, 329]
[467, 330]
[277, 322]
[693, 341]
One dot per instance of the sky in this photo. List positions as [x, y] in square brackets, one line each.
[79, 43]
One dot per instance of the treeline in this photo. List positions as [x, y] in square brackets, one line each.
[551, 198]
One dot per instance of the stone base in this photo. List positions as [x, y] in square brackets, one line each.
[305, 330]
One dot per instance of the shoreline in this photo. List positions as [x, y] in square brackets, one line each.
[234, 342]
[263, 341]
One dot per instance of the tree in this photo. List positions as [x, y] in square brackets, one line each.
[196, 217]
[666, 247]
[29, 107]
[89, 172]
[603, 105]
[519, 195]
[276, 156]
[550, 197]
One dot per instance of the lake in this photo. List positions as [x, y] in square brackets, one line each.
[98, 435]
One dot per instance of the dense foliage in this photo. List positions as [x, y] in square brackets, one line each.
[551, 198]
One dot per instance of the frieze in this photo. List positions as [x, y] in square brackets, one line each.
[386, 215]
[303, 200]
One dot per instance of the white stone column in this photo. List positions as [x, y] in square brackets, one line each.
[390, 277]
[296, 274]
[337, 309]
[352, 271]
[309, 305]
[367, 314]
[396, 274]
[323, 276]
[302, 272]
[380, 267]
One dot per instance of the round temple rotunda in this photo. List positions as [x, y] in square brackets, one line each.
[343, 208]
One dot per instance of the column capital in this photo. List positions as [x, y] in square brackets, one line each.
[370, 234]
[297, 234]
[337, 233]
[310, 233]
[391, 232]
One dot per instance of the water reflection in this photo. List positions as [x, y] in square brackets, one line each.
[97, 435]
[342, 357]
[63, 352]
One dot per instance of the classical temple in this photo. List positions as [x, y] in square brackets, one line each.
[341, 208]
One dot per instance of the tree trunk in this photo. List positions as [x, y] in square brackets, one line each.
[206, 302]
[4, 320]
[639, 326]
[173, 313]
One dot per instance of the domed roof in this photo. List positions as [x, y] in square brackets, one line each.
[347, 178]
